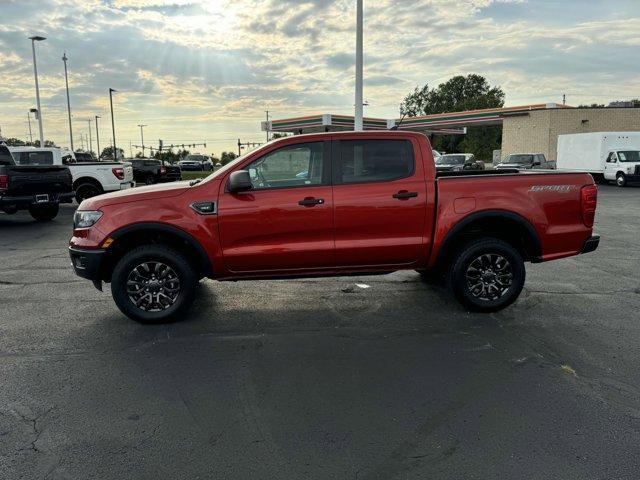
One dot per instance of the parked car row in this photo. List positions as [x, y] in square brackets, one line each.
[39, 179]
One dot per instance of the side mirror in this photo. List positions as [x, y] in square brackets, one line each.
[240, 181]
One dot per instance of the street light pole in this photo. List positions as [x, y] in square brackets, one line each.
[97, 137]
[90, 142]
[30, 134]
[113, 125]
[35, 39]
[66, 81]
[358, 121]
[142, 137]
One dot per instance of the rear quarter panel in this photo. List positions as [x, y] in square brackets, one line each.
[550, 202]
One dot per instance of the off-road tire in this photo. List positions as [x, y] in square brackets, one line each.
[479, 249]
[154, 253]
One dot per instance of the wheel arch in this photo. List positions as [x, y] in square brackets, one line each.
[87, 179]
[508, 226]
[131, 236]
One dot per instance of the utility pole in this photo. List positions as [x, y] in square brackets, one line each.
[358, 121]
[564, 99]
[97, 137]
[82, 141]
[113, 125]
[30, 135]
[142, 137]
[267, 112]
[66, 82]
[35, 39]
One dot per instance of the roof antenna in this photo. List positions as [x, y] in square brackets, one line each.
[395, 127]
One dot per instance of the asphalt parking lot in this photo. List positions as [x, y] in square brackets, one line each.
[322, 379]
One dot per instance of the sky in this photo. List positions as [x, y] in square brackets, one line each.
[206, 70]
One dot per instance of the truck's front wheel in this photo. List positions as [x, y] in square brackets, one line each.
[621, 180]
[153, 284]
[487, 275]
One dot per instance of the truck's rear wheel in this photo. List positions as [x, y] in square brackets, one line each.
[621, 180]
[87, 190]
[44, 213]
[487, 275]
[153, 284]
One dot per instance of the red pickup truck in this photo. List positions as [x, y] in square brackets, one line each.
[331, 204]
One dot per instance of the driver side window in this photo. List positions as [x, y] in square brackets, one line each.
[612, 157]
[293, 166]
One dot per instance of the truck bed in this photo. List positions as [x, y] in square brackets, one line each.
[549, 201]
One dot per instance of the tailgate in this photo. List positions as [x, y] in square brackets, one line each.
[32, 180]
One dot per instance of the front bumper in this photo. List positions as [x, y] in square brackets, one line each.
[87, 263]
[591, 244]
[26, 200]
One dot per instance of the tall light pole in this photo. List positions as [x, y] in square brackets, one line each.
[35, 39]
[97, 137]
[358, 121]
[113, 125]
[90, 142]
[66, 81]
[142, 137]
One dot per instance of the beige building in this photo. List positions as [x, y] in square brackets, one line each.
[537, 131]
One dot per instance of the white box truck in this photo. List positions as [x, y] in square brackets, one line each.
[608, 156]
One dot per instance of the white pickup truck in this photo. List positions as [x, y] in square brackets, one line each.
[89, 179]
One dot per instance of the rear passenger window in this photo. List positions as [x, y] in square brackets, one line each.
[374, 161]
[36, 158]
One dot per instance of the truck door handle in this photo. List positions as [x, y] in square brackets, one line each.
[311, 201]
[404, 194]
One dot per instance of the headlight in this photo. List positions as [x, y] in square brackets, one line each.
[630, 169]
[85, 218]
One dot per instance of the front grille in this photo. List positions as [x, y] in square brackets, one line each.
[637, 169]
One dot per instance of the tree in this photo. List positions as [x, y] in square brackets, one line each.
[458, 94]
[107, 152]
[227, 157]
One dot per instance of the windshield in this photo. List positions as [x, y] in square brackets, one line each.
[629, 156]
[450, 160]
[522, 159]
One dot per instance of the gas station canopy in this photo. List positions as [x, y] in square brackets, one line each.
[454, 123]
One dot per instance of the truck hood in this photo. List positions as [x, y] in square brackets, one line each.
[151, 192]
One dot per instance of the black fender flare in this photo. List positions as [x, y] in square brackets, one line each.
[207, 268]
[532, 234]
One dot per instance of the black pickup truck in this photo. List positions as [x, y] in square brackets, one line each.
[150, 171]
[37, 188]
